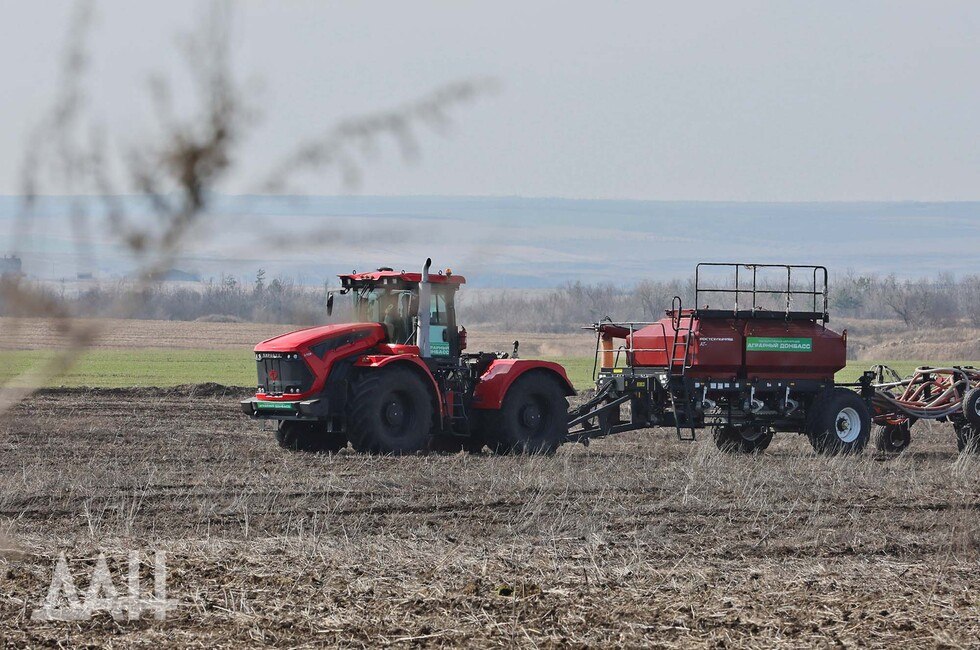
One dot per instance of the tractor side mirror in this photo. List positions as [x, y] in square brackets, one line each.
[330, 305]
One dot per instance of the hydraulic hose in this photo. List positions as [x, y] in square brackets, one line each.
[927, 394]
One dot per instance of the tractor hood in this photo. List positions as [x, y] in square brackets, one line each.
[309, 337]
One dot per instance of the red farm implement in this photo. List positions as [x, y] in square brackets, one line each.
[764, 362]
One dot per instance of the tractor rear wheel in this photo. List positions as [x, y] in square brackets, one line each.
[532, 420]
[391, 412]
[742, 440]
[311, 437]
[839, 423]
[893, 438]
[967, 438]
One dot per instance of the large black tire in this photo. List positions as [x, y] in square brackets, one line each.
[967, 438]
[310, 437]
[742, 440]
[971, 408]
[839, 423]
[391, 412]
[532, 420]
[893, 438]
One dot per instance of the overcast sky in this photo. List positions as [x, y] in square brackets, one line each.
[780, 100]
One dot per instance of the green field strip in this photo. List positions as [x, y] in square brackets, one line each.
[162, 368]
[140, 367]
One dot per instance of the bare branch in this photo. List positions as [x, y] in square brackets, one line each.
[350, 141]
[177, 176]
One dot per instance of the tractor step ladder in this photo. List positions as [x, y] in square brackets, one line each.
[459, 421]
[680, 354]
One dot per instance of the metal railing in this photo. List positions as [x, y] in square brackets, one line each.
[818, 292]
[629, 350]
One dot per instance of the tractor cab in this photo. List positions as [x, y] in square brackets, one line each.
[393, 299]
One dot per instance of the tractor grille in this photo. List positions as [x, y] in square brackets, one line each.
[283, 374]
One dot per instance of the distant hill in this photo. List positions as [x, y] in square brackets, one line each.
[520, 242]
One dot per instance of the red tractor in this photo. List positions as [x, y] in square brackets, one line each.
[398, 380]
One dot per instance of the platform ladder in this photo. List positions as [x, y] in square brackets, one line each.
[679, 360]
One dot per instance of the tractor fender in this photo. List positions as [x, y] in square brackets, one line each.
[502, 373]
[382, 361]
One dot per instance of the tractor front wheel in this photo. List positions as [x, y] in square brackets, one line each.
[311, 437]
[532, 420]
[742, 440]
[391, 412]
[839, 423]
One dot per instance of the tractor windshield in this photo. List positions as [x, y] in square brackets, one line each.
[395, 308]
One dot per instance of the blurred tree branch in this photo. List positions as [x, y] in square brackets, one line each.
[70, 154]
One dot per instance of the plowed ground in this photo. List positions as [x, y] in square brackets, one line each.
[638, 540]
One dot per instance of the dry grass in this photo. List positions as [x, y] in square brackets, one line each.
[637, 540]
[41, 334]
[892, 340]
[866, 339]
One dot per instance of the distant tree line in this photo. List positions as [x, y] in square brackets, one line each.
[224, 300]
[942, 301]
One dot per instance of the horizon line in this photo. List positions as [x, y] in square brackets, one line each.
[490, 197]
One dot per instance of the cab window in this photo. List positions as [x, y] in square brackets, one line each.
[439, 314]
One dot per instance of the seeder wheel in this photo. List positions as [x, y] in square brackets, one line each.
[839, 423]
[971, 408]
[968, 433]
[967, 438]
[742, 440]
[893, 438]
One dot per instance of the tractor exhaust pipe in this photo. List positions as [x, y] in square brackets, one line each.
[425, 313]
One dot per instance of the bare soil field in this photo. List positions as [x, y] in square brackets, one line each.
[637, 540]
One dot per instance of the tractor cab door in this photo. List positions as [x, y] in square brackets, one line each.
[443, 330]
